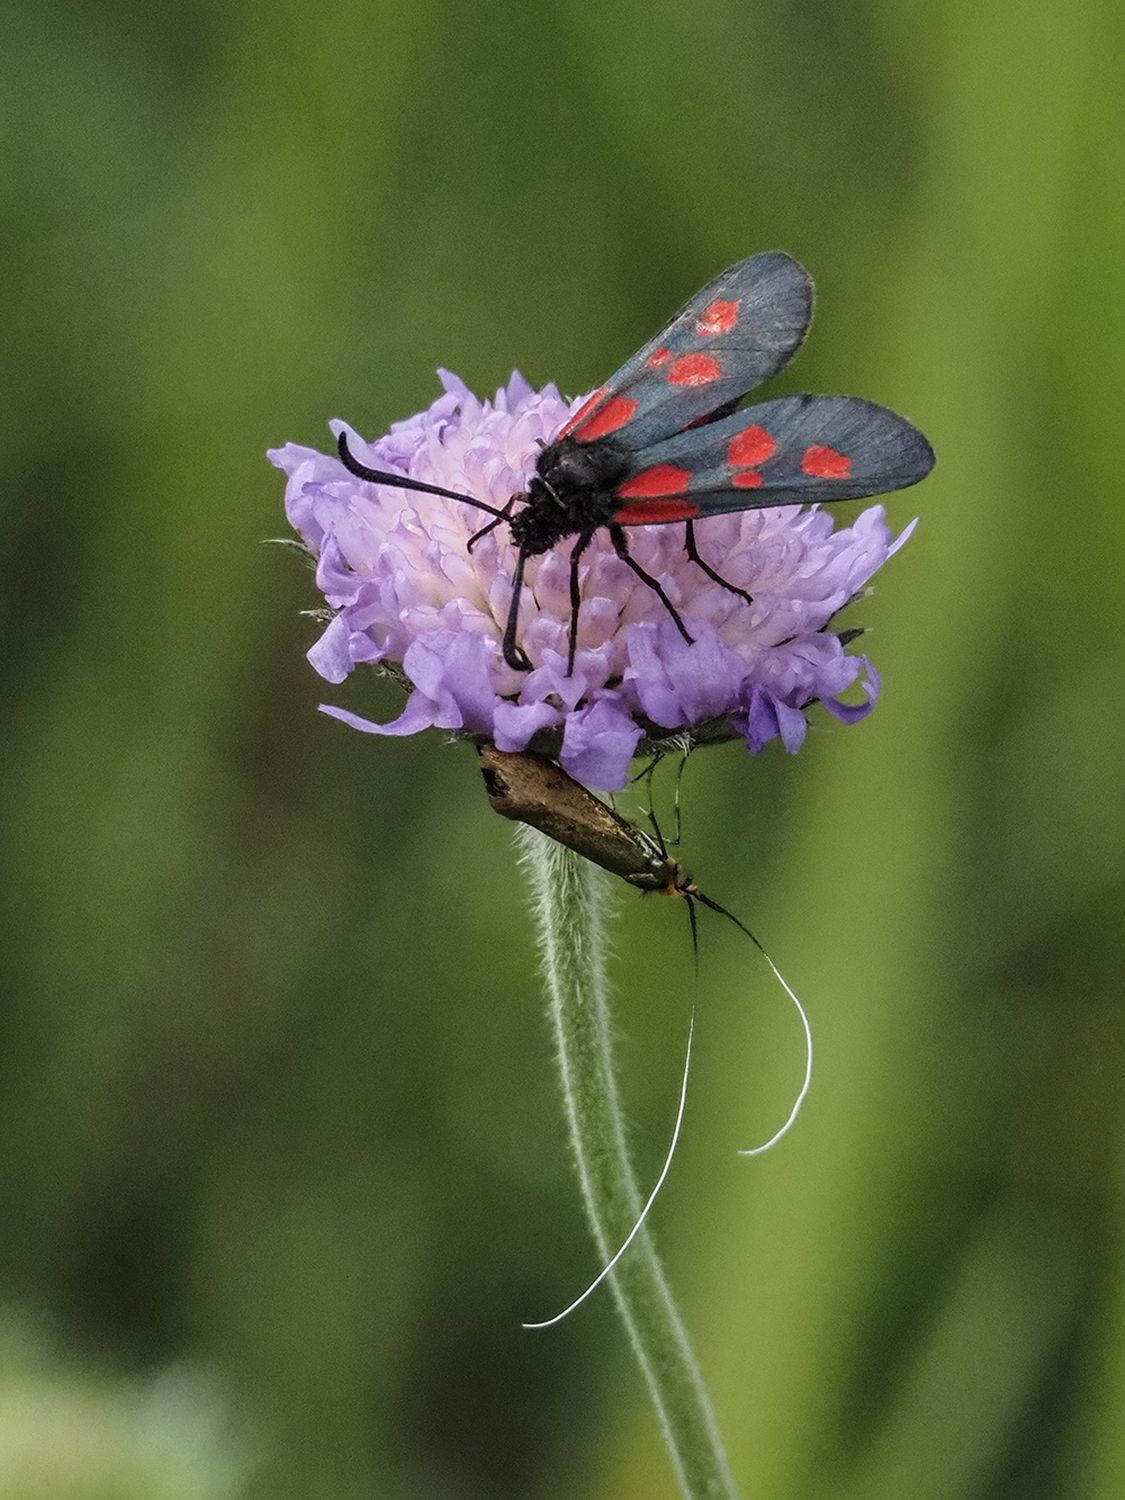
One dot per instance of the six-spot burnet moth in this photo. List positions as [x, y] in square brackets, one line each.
[662, 440]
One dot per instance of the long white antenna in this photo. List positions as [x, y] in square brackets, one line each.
[750, 1151]
[785, 985]
[643, 1215]
[800, 1099]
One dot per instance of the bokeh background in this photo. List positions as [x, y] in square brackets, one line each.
[282, 1163]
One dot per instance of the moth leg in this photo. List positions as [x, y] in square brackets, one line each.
[675, 839]
[488, 527]
[621, 547]
[655, 757]
[693, 552]
[648, 776]
[575, 598]
[514, 655]
[654, 824]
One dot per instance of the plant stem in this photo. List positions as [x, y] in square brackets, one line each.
[570, 897]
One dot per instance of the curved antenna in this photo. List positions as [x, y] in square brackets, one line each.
[806, 1082]
[643, 1215]
[399, 481]
[690, 897]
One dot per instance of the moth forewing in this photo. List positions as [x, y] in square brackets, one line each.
[530, 788]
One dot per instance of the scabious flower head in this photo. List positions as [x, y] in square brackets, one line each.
[405, 592]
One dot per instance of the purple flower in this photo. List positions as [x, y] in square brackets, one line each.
[405, 591]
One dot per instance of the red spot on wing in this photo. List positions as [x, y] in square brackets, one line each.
[718, 317]
[608, 418]
[753, 445]
[658, 357]
[746, 479]
[649, 512]
[825, 463]
[661, 479]
[694, 369]
[573, 420]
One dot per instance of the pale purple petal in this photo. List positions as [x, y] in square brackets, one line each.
[515, 725]
[851, 713]
[792, 726]
[418, 714]
[331, 656]
[765, 717]
[677, 682]
[903, 537]
[451, 670]
[598, 744]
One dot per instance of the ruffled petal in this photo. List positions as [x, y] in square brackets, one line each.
[679, 682]
[331, 656]
[598, 744]
[766, 717]
[870, 682]
[418, 714]
[515, 725]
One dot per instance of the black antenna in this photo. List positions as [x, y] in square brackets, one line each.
[730, 916]
[689, 902]
[380, 476]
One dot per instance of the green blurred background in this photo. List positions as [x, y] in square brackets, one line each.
[282, 1162]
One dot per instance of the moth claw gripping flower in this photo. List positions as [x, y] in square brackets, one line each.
[736, 640]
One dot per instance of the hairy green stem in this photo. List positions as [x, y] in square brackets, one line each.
[570, 897]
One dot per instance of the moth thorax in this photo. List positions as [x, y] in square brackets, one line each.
[677, 881]
[567, 467]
